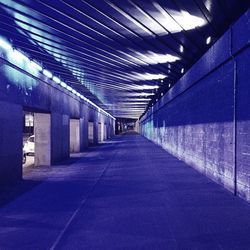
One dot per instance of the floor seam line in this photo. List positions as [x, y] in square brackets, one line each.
[59, 237]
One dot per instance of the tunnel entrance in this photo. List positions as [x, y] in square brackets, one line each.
[36, 139]
[74, 135]
[28, 139]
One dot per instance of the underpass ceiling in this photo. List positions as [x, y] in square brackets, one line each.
[122, 55]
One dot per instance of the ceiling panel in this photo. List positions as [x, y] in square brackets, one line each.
[122, 55]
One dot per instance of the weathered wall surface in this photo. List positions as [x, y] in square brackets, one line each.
[205, 118]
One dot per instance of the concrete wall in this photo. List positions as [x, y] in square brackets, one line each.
[205, 118]
[22, 89]
[11, 126]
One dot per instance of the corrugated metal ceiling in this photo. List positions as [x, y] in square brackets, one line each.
[120, 54]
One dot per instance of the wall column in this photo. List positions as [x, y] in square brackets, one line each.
[42, 131]
[59, 137]
[11, 127]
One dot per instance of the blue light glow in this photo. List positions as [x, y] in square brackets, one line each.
[56, 79]
[35, 65]
[5, 45]
[69, 88]
[208, 40]
[21, 57]
[18, 56]
[47, 73]
[63, 84]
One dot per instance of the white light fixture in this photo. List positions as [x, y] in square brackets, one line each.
[146, 87]
[63, 84]
[134, 103]
[169, 85]
[146, 76]
[56, 79]
[182, 70]
[69, 88]
[138, 99]
[35, 65]
[140, 94]
[175, 21]
[161, 94]
[18, 55]
[47, 73]
[208, 40]
[181, 49]
[154, 58]
[5, 45]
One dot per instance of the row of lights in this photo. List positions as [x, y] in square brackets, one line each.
[7, 46]
[208, 41]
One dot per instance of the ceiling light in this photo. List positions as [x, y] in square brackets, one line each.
[47, 73]
[63, 84]
[155, 58]
[146, 87]
[208, 40]
[35, 65]
[140, 94]
[133, 103]
[69, 88]
[169, 85]
[182, 70]
[147, 76]
[138, 99]
[5, 45]
[18, 55]
[56, 79]
[174, 21]
[181, 49]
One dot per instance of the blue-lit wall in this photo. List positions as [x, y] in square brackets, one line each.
[205, 118]
[23, 89]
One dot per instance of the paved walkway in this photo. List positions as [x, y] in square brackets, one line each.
[125, 194]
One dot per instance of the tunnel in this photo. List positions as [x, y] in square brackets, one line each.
[125, 124]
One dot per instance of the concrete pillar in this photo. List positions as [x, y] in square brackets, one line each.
[11, 128]
[91, 132]
[109, 131]
[105, 132]
[100, 132]
[74, 135]
[83, 134]
[59, 137]
[95, 133]
[42, 131]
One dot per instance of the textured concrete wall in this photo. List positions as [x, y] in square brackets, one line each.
[42, 131]
[59, 137]
[11, 126]
[204, 118]
[75, 135]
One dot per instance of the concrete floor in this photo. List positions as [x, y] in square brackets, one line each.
[125, 194]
